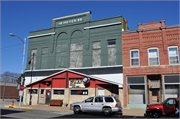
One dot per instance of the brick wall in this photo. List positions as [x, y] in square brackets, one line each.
[10, 91]
[143, 40]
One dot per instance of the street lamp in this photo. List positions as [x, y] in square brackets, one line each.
[24, 42]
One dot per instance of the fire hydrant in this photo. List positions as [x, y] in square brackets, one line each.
[12, 102]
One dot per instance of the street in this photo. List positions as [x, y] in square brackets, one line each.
[39, 113]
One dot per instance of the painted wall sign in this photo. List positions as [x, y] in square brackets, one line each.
[70, 21]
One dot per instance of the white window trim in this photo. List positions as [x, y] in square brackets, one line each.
[174, 55]
[134, 58]
[153, 57]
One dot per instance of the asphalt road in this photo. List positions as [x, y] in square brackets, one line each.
[43, 114]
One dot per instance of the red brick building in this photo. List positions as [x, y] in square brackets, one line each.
[150, 64]
[10, 91]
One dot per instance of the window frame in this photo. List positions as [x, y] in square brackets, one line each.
[175, 55]
[153, 57]
[58, 90]
[113, 45]
[134, 58]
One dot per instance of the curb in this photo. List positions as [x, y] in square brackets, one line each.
[18, 107]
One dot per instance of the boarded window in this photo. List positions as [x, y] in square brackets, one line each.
[96, 61]
[111, 49]
[112, 56]
[33, 59]
[76, 55]
[44, 58]
[61, 56]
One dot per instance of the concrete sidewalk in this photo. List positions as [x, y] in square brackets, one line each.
[126, 111]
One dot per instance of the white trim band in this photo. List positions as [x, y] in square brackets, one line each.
[70, 15]
[77, 68]
[42, 35]
[90, 27]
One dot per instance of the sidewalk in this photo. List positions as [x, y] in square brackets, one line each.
[126, 111]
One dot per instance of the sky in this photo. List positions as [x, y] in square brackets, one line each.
[21, 17]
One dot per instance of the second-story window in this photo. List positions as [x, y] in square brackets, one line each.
[173, 55]
[153, 56]
[134, 57]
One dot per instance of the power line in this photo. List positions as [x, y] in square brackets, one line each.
[11, 45]
[14, 49]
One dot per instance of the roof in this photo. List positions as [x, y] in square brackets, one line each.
[93, 77]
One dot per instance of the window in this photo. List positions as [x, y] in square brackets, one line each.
[76, 83]
[111, 42]
[98, 99]
[44, 58]
[76, 55]
[134, 57]
[59, 92]
[109, 99]
[79, 92]
[96, 54]
[111, 51]
[153, 56]
[32, 61]
[136, 90]
[173, 55]
[89, 99]
[32, 91]
[170, 102]
[42, 91]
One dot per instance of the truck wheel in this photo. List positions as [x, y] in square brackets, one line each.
[155, 114]
[107, 112]
[77, 110]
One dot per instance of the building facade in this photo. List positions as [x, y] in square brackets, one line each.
[69, 86]
[9, 90]
[76, 43]
[151, 66]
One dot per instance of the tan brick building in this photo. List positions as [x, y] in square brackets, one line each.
[150, 64]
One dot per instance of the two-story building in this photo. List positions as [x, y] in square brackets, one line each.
[151, 69]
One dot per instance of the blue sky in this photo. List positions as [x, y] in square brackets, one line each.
[21, 17]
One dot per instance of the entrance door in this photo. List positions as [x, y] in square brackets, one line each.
[155, 89]
[155, 96]
[48, 96]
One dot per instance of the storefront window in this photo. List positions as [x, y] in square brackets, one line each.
[59, 92]
[32, 91]
[172, 85]
[42, 91]
[136, 90]
[79, 92]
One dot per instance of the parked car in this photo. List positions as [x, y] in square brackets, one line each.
[167, 107]
[18, 99]
[106, 104]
